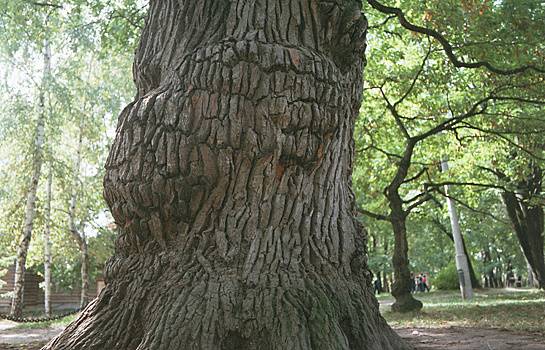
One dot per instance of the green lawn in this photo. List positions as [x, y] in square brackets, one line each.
[63, 322]
[513, 309]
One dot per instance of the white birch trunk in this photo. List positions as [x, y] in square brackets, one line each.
[30, 207]
[79, 236]
[47, 246]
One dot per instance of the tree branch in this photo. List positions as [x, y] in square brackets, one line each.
[420, 173]
[374, 215]
[44, 4]
[447, 47]
[450, 122]
[467, 206]
[504, 138]
[386, 20]
[415, 79]
[456, 183]
[425, 197]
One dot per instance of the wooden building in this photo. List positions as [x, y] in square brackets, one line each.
[33, 294]
[33, 297]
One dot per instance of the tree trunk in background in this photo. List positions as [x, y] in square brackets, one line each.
[30, 207]
[385, 283]
[532, 281]
[527, 220]
[79, 234]
[47, 245]
[81, 239]
[401, 287]
[84, 249]
[489, 274]
[498, 271]
[230, 180]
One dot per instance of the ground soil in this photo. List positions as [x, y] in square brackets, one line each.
[12, 338]
[421, 338]
[471, 339]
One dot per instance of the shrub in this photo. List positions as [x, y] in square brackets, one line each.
[447, 278]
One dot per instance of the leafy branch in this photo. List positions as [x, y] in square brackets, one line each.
[447, 47]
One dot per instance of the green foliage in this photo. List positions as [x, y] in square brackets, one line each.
[59, 324]
[447, 278]
[5, 262]
[91, 53]
[412, 73]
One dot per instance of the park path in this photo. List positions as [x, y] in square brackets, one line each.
[457, 338]
[460, 338]
[18, 338]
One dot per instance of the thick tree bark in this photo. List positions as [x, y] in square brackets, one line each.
[230, 178]
[527, 220]
[30, 207]
[47, 245]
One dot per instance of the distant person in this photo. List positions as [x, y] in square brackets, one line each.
[378, 286]
[420, 283]
[425, 283]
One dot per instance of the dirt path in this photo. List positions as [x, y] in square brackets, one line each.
[12, 338]
[452, 338]
[29, 346]
[471, 339]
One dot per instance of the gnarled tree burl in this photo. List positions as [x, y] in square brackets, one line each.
[230, 178]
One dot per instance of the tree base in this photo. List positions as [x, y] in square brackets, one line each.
[406, 303]
[182, 310]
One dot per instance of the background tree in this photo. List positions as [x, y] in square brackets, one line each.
[74, 36]
[415, 107]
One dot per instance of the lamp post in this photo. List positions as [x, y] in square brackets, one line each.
[461, 259]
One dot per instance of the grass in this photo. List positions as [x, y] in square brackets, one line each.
[63, 322]
[512, 309]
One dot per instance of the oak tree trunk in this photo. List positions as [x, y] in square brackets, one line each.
[526, 215]
[230, 180]
[30, 207]
[527, 222]
[401, 287]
